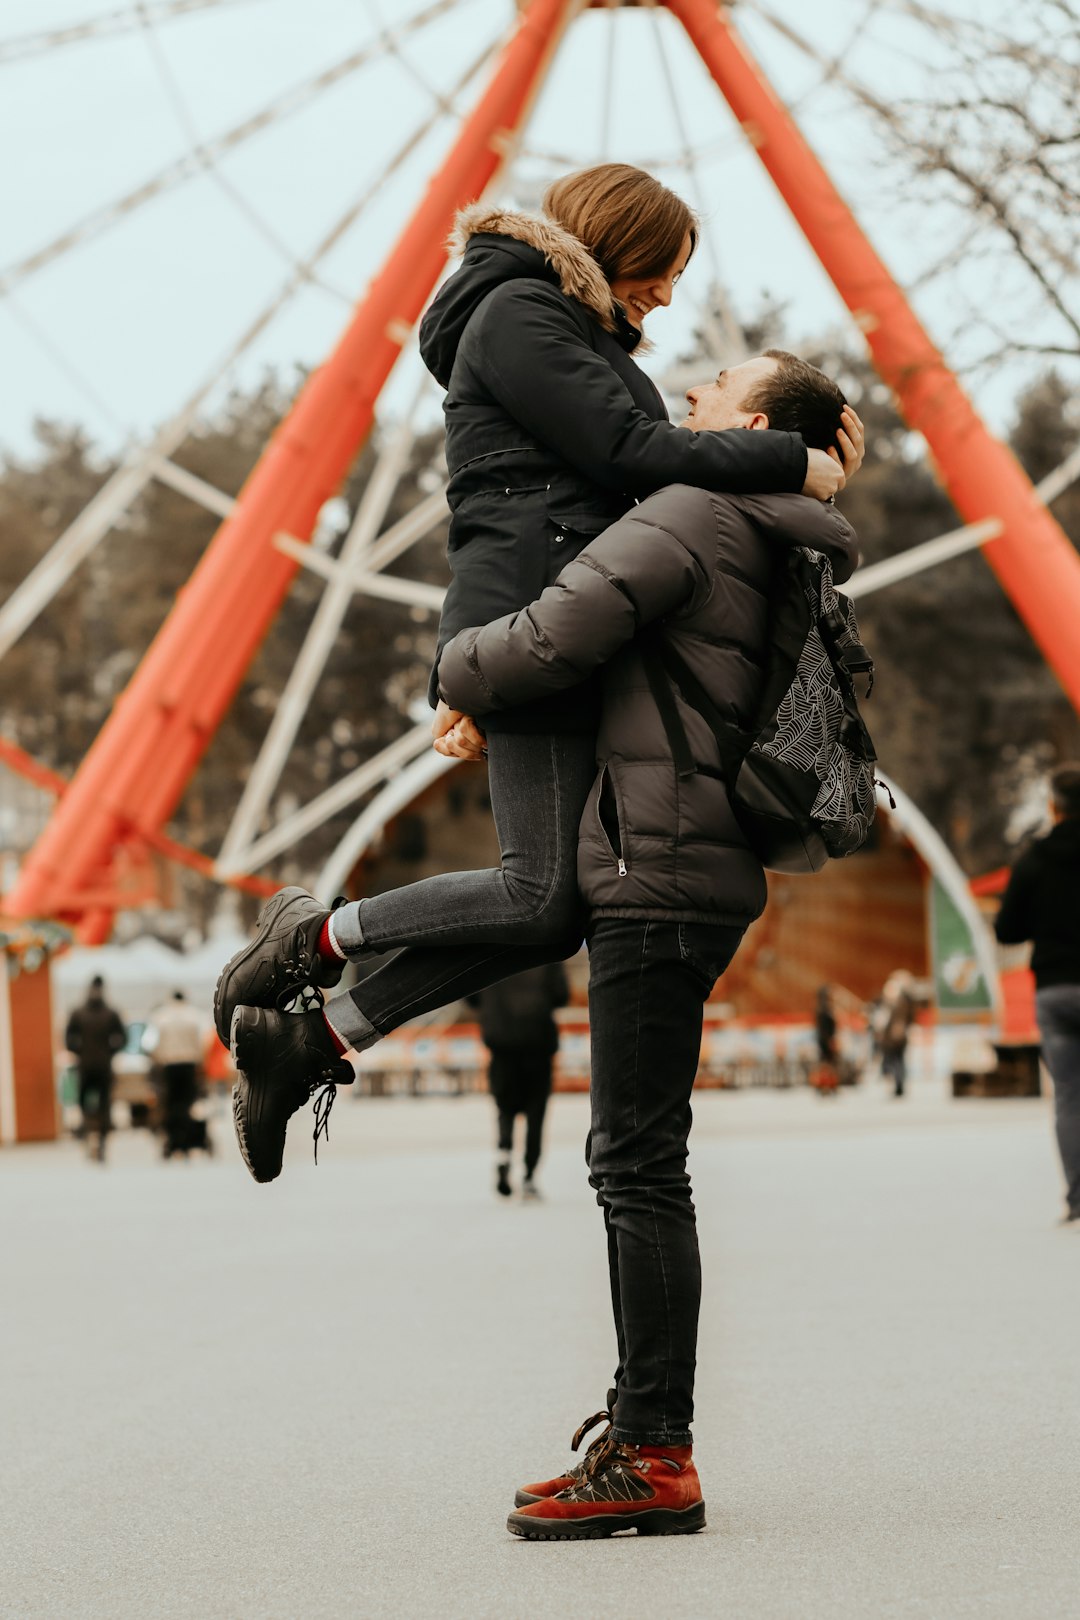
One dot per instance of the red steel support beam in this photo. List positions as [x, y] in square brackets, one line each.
[137, 769]
[1032, 558]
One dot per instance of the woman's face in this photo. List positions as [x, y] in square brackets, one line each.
[639, 294]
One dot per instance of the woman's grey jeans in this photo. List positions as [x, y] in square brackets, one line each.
[460, 931]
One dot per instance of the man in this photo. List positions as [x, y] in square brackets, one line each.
[1042, 903]
[95, 1033]
[671, 886]
[178, 1052]
[520, 1032]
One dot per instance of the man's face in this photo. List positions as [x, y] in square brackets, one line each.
[719, 404]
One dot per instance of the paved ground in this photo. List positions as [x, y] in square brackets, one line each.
[315, 1399]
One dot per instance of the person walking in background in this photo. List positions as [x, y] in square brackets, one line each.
[95, 1033]
[893, 1019]
[520, 1032]
[825, 1076]
[177, 1050]
[1042, 904]
[825, 1026]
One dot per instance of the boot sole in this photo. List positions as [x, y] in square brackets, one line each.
[524, 1499]
[236, 1042]
[649, 1522]
[265, 921]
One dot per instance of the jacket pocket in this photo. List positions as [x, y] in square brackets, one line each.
[609, 819]
[708, 948]
[582, 516]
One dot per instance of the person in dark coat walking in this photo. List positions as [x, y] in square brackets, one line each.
[671, 886]
[95, 1033]
[552, 431]
[520, 1032]
[1042, 903]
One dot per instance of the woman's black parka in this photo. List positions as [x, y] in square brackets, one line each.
[552, 430]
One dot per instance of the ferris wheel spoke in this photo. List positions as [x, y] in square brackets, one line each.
[142, 463]
[308, 666]
[124, 21]
[721, 326]
[197, 162]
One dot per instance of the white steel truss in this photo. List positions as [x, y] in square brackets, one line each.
[144, 462]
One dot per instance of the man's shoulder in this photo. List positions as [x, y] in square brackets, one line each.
[679, 506]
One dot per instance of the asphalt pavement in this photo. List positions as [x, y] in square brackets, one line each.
[315, 1399]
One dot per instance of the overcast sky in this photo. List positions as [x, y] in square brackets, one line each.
[116, 332]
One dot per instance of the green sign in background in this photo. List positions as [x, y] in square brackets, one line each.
[959, 982]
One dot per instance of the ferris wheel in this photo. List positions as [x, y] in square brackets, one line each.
[475, 135]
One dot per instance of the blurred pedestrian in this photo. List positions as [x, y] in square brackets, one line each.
[177, 1047]
[825, 1026]
[893, 1019]
[825, 1075]
[520, 1032]
[95, 1033]
[1042, 904]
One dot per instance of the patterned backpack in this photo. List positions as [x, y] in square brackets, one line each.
[800, 775]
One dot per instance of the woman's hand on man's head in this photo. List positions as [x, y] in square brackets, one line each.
[826, 473]
[852, 442]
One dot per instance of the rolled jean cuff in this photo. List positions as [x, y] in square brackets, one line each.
[349, 1024]
[347, 930]
[652, 1437]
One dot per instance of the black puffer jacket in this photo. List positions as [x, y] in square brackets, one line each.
[652, 845]
[1042, 903]
[517, 1012]
[552, 430]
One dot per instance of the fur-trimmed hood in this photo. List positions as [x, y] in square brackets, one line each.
[578, 273]
[499, 245]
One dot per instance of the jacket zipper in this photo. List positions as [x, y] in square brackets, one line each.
[606, 776]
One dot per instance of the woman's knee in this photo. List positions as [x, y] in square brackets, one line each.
[555, 919]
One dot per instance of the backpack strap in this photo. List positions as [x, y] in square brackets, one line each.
[666, 669]
[664, 698]
[849, 656]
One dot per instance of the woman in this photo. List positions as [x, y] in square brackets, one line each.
[552, 432]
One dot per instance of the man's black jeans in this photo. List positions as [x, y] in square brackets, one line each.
[648, 982]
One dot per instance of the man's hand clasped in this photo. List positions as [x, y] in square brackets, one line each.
[457, 735]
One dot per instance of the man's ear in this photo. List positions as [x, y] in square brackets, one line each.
[758, 420]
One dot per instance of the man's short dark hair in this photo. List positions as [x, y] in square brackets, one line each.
[799, 398]
[97, 982]
[1065, 789]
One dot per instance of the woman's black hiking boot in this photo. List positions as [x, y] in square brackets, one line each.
[282, 961]
[282, 1060]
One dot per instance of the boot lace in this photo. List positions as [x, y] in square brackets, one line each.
[590, 1423]
[609, 1474]
[577, 1473]
[296, 992]
[323, 1091]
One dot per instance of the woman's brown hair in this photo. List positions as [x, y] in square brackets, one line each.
[631, 224]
